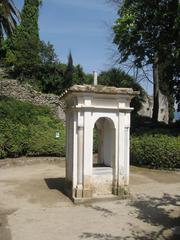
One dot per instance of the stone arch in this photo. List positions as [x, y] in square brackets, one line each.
[105, 129]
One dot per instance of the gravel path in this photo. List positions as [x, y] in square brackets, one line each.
[32, 207]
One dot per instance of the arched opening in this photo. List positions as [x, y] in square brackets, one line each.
[104, 143]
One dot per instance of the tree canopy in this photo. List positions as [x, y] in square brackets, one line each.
[118, 78]
[148, 33]
[23, 49]
[47, 53]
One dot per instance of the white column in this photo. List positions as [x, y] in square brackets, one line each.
[67, 148]
[80, 157]
[75, 148]
[88, 155]
[126, 148]
[95, 78]
[121, 146]
[88, 144]
[116, 161]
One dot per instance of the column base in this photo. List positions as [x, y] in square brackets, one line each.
[82, 193]
[121, 191]
[79, 195]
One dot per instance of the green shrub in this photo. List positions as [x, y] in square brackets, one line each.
[42, 139]
[26, 129]
[156, 150]
[95, 140]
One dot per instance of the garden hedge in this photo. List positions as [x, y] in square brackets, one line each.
[156, 150]
[26, 129]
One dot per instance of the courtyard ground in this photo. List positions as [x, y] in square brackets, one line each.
[33, 207]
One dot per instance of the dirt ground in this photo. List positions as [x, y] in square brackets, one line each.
[33, 207]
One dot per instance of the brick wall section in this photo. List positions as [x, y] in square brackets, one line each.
[12, 88]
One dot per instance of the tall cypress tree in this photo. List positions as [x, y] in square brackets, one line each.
[68, 78]
[25, 42]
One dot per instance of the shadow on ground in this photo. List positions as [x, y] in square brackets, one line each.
[105, 212]
[162, 212]
[5, 233]
[56, 184]
[101, 236]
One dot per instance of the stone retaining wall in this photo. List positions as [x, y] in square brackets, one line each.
[24, 92]
[24, 161]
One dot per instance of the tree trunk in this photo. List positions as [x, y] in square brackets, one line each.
[155, 92]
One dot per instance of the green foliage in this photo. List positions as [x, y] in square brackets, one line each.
[49, 75]
[47, 53]
[26, 129]
[42, 140]
[68, 76]
[148, 31]
[25, 42]
[74, 75]
[118, 78]
[157, 34]
[95, 140]
[79, 77]
[50, 78]
[158, 148]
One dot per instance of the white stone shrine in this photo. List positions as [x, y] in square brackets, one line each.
[106, 109]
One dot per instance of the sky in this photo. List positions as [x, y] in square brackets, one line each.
[80, 26]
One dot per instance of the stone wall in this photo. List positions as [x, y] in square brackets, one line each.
[24, 92]
[12, 88]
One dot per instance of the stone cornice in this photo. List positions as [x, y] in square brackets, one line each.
[99, 89]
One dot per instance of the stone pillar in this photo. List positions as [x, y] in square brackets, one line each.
[119, 186]
[88, 155]
[67, 148]
[126, 148]
[116, 162]
[126, 156]
[79, 187]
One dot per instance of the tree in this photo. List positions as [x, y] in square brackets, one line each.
[50, 78]
[147, 31]
[50, 73]
[47, 53]
[25, 44]
[68, 77]
[118, 78]
[9, 16]
[80, 77]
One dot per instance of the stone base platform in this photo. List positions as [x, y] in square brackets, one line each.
[102, 188]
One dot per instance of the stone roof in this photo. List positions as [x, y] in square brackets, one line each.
[101, 89]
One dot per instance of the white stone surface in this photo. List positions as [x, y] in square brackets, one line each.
[108, 108]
